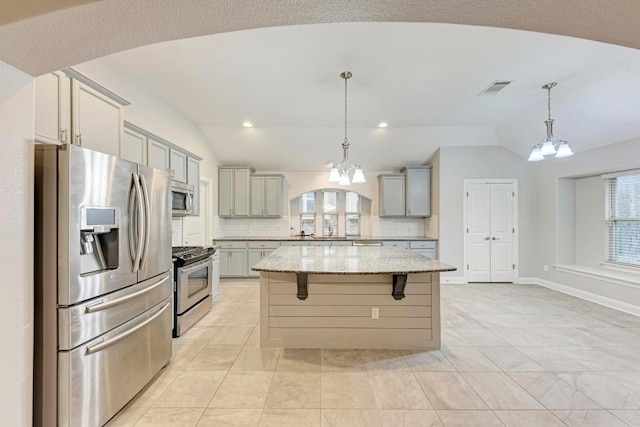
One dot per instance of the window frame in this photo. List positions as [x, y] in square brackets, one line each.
[615, 256]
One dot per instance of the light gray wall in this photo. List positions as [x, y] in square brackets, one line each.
[459, 163]
[16, 249]
[622, 156]
[590, 228]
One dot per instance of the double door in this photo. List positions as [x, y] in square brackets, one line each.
[490, 232]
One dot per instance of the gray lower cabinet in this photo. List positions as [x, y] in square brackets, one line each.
[426, 248]
[256, 252]
[233, 262]
[397, 244]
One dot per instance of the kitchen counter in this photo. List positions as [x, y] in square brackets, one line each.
[349, 297]
[348, 260]
[321, 238]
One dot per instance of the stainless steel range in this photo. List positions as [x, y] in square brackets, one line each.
[197, 279]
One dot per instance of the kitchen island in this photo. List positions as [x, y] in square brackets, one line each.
[349, 297]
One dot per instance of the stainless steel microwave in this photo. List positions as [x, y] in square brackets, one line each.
[181, 199]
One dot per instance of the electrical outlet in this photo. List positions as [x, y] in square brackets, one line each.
[375, 313]
[546, 268]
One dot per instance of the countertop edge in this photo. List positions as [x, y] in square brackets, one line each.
[323, 239]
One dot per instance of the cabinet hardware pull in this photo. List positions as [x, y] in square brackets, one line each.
[495, 238]
[63, 135]
[79, 139]
[487, 238]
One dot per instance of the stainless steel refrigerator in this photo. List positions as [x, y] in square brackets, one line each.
[103, 288]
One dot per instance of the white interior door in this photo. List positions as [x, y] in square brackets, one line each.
[478, 233]
[490, 232]
[194, 228]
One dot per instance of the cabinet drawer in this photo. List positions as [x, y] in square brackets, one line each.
[232, 245]
[294, 243]
[263, 245]
[423, 245]
[397, 244]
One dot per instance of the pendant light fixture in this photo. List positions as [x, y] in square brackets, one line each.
[550, 145]
[340, 171]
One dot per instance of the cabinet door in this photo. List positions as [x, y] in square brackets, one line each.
[257, 196]
[392, 202]
[193, 178]
[178, 165]
[53, 108]
[157, 155]
[225, 262]
[225, 192]
[429, 253]
[241, 192]
[238, 263]
[273, 196]
[97, 120]
[254, 256]
[418, 191]
[133, 147]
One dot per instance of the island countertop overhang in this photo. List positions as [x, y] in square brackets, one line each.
[348, 260]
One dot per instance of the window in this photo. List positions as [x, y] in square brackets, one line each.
[308, 213]
[329, 213]
[352, 214]
[623, 218]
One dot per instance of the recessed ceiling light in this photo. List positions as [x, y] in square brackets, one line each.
[247, 124]
[383, 124]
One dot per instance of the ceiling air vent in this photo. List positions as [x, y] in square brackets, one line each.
[495, 87]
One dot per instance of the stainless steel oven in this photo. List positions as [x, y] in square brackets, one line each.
[195, 277]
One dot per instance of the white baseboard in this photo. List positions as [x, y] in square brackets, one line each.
[598, 299]
[453, 280]
[526, 281]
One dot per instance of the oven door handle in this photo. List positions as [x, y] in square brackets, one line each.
[189, 268]
[101, 305]
[104, 344]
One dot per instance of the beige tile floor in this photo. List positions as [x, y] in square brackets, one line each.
[512, 355]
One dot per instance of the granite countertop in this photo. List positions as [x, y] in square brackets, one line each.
[348, 260]
[321, 238]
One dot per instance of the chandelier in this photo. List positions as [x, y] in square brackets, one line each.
[340, 171]
[550, 145]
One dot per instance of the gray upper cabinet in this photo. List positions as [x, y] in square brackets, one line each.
[266, 195]
[158, 154]
[133, 146]
[392, 194]
[178, 165]
[418, 190]
[96, 119]
[53, 108]
[193, 178]
[234, 190]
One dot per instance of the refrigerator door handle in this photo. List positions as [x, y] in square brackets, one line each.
[104, 344]
[147, 215]
[101, 305]
[140, 225]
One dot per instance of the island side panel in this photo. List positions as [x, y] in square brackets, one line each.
[338, 312]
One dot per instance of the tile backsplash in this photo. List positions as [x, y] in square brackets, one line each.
[370, 226]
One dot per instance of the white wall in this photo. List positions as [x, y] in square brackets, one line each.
[590, 227]
[625, 155]
[459, 163]
[16, 250]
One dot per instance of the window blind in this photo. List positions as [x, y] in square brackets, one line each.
[622, 209]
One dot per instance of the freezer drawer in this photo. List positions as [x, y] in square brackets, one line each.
[82, 322]
[96, 380]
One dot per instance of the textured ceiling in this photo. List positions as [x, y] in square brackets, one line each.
[17, 10]
[70, 36]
